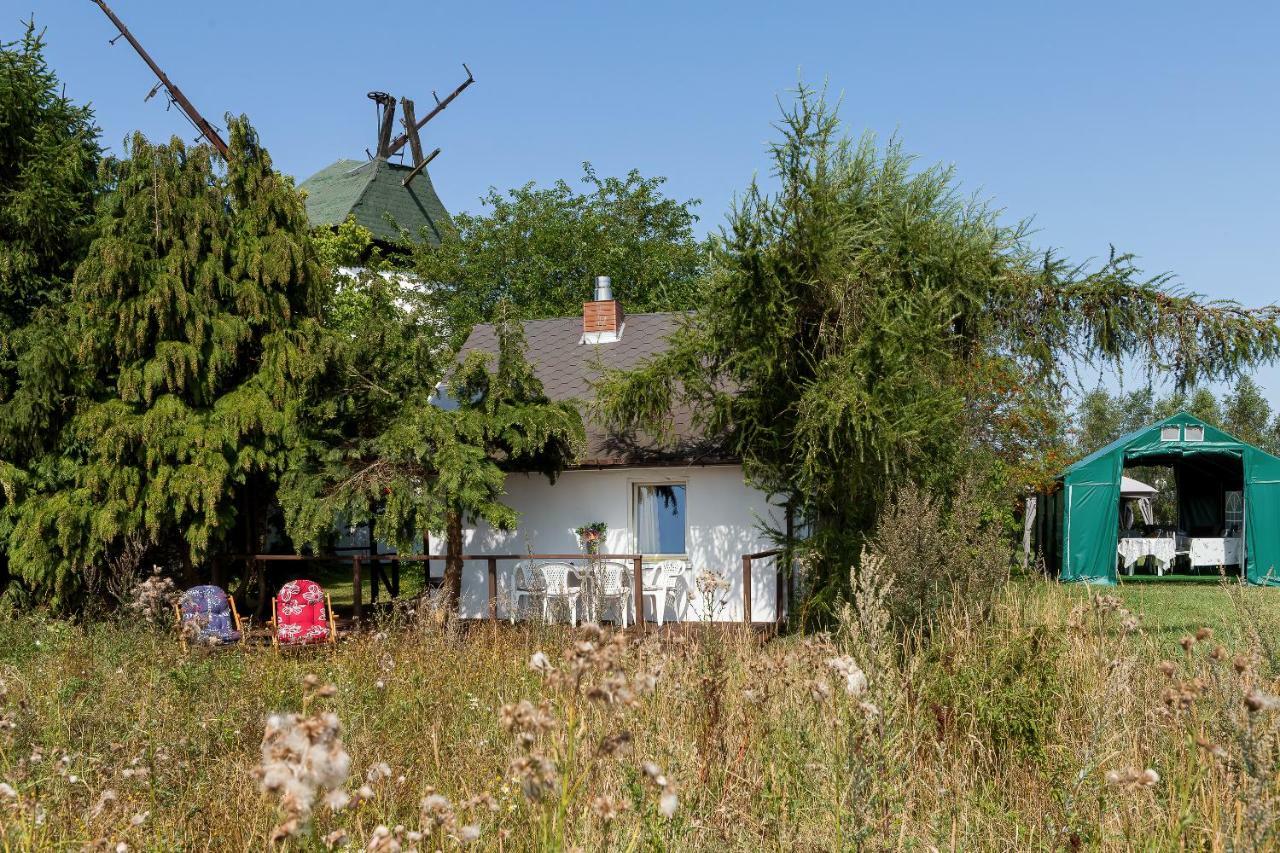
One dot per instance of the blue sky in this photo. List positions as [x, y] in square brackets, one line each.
[1152, 126]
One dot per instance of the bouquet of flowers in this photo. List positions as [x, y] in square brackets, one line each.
[591, 535]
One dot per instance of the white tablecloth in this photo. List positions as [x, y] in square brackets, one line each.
[1132, 550]
[1215, 551]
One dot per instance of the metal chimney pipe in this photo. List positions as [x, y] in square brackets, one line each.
[604, 288]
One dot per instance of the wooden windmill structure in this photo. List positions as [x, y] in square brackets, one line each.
[391, 199]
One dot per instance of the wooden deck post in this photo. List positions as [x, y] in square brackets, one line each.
[357, 588]
[746, 588]
[780, 592]
[493, 589]
[637, 582]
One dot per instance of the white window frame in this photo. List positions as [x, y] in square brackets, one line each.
[1192, 432]
[1175, 429]
[635, 485]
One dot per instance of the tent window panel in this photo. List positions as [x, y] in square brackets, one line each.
[1173, 433]
[1194, 433]
[1234, 514]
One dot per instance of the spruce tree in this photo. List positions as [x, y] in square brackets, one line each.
[196, 315]
[48, 175]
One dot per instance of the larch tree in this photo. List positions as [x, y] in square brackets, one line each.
[49, 157]
[850, 311]
[196, 317]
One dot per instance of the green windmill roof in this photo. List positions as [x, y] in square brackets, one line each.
[371, 191]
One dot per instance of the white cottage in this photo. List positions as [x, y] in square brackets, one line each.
[690, 504]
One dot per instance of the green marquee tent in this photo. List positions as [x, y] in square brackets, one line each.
[1080, 521]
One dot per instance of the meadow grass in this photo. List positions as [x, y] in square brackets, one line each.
[1050, 726]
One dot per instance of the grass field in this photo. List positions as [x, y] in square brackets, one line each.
[1052, 727]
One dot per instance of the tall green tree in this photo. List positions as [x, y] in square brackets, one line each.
[1246, 414]
[196, 314]
[850, 308]
[48, 176]
[420, 458]
[536, 249]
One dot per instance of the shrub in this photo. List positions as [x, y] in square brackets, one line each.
[938, 557]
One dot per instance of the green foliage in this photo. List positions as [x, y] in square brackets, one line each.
[48, 175]
[848, 313]
[1002, 691]
[941, 559]
[195, 314]
[412, 463]
[1102, 417]
[537, 249]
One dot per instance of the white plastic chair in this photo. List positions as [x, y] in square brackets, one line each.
[555, 576]
[661, 584]
[612, 586]
[528, 586]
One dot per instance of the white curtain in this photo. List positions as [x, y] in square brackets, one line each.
[647, 519]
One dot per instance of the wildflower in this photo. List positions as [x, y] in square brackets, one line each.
[819, 690]
[535, 774]
[1129, 624]
[337, 838]
[607, 808]
[1216, 750]
[1219, 653]
[654, 772]
[436, 810]
[540, 663]
[380, 684]
[378, 772]
[1257, 700]
[612, 745]
[855, 678]
[382, 841]
[300, 757]
[1131, 777]
[1239, 663]
[139, 819]
[468, 834]
[7, 792]
[1187, 642]
[1204, 633]
[667, 803]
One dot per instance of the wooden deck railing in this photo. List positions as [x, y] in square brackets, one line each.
[491, 561]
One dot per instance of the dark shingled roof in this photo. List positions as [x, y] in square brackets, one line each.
[566, 366]
[369, 191]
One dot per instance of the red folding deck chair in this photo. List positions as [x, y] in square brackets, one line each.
[302, 615]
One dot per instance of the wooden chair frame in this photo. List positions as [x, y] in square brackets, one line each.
[332, 642]
[235, 615]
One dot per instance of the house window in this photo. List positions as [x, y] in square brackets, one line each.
[1194, 433]
[661, 518]
[1170, 433]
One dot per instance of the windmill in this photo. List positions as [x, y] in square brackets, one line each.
[389, 198]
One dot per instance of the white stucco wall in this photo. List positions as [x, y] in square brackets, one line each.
[723, 523]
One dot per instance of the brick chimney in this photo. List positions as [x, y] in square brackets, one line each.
[602, 318]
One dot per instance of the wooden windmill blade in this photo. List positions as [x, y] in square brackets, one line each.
[412, 128]
[175, 94]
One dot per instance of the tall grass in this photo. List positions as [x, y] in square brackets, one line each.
[1052, 725]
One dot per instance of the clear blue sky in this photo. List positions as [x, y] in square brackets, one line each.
[1153, 126]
